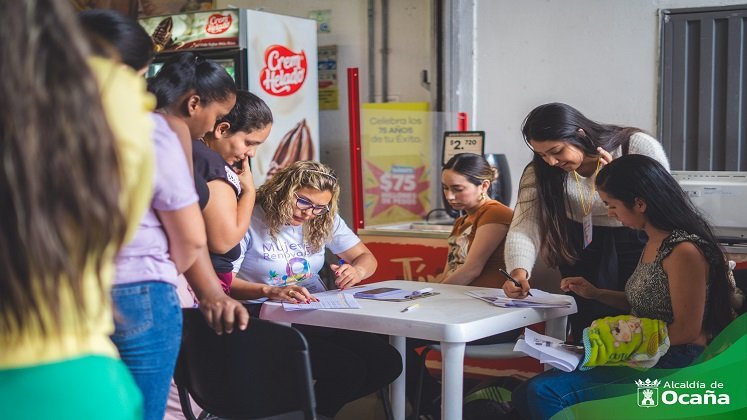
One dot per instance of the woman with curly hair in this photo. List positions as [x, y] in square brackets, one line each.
[294, 220]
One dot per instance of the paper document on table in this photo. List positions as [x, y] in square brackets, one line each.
[550, 350]
[327, 300]
[539, 299]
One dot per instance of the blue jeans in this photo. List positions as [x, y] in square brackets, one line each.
[550, 392]
[148, 321]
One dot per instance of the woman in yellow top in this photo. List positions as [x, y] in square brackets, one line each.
[72, 189]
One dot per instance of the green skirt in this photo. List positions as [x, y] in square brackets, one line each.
[90, 387]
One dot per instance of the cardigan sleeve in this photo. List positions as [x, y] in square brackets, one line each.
[523, 241]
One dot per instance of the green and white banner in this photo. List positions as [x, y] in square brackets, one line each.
[715, 387]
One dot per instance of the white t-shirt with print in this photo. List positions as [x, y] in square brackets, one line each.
[287, 259]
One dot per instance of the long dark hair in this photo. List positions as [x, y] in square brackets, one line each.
[561, 122]
[59, 173]
[668, 208]
[474, 167]
[187, 72]
[124, 34]
[249, 114]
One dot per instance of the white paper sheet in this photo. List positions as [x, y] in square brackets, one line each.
[327, 300]
[539, 299]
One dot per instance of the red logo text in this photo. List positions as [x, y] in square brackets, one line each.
[284, 71]
[217, 24]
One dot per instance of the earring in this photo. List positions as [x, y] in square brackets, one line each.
[483, 196]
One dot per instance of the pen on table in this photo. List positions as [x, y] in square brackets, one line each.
[513, 280]
[410, 308]
[421, 291]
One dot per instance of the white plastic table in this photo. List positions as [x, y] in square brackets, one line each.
[452, 318]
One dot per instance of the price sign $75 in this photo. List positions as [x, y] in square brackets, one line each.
[397, 182]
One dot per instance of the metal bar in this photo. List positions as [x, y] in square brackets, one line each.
[384, 50]
[371, 52]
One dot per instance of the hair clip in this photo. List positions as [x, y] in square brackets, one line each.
[323, 173]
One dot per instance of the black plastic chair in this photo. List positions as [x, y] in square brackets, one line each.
[262, 372]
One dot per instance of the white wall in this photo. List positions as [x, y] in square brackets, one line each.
[600, 56]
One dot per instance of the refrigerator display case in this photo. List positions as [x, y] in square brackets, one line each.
[273, 56]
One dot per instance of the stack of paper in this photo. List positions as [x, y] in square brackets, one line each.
[327, 300]
[549, 350]
[539, 299]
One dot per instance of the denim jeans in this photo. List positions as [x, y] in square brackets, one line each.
[148, 321]
[550, 392]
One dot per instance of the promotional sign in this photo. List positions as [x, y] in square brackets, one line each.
[282, 70]
[396, 161]
[400, 258]
[213, 29]
[456, 142]
[328, 89]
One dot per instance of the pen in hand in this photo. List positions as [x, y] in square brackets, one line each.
[513, 280]
[340, 263]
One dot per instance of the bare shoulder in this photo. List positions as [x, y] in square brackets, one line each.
[685, 256]
[687, 249]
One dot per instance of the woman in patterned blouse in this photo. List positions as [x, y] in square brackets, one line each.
[681, 278]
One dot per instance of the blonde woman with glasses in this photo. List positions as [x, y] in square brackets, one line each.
[294, 219]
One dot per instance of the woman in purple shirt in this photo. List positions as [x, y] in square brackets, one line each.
[169, 239]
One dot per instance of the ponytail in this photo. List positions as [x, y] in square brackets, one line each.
[188, 72]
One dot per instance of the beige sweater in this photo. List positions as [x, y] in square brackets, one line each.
[523, 240]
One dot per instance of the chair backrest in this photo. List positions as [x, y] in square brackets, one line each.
[261, 372]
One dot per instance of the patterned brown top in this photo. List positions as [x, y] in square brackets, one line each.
[647, 289]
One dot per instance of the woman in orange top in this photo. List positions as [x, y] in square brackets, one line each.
[477, 239]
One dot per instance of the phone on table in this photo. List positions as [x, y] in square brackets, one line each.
[378, 292]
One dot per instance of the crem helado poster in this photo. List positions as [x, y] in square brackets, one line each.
[396, 155]
[282, 70]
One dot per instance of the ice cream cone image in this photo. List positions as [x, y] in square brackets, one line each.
[296, 145]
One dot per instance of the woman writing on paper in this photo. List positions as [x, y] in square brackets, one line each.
[681, 279]
[559, 213]
[294, 220]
